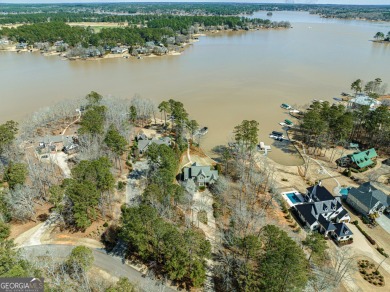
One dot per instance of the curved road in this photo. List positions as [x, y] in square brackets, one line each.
[111, 264]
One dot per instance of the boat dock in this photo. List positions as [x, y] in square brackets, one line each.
[263, 147]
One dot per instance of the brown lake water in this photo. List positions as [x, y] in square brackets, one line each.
[222, 79]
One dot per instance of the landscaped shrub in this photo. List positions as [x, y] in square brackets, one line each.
[355, 222]
[202, 217]
[202, 188]
[365, 220]
[284, 207]
[217, 212]
[369, 238]
[121, 185]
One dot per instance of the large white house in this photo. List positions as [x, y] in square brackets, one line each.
[325, 213]
[363, 100]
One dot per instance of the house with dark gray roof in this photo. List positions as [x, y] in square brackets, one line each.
[322, 211]
[367, 199]
[55, 143]
[143, 145]
[342, 232]
[201, 175]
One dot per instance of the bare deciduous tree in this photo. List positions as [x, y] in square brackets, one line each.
[21, 201]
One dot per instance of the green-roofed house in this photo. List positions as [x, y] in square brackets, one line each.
[359, 160]
[201, 175]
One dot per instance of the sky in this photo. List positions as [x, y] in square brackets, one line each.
[357, 2]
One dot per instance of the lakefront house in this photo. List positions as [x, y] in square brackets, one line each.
[201, 175]
[359, 160]
[366, 199]
[323, 212]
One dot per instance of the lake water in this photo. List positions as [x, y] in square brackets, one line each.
[222, 79]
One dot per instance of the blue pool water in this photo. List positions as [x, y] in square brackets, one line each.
[293, 198]
[344, 191]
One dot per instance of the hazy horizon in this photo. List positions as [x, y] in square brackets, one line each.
[339, 2]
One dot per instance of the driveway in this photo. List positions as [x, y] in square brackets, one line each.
[111, 264]
[361, 246]
[384, 221]
[135, 182]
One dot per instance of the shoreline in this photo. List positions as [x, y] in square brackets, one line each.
[381, 42]
[127, 55]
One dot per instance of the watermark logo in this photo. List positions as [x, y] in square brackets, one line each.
[21, 284]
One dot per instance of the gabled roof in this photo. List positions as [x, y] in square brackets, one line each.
[197, 169]
[325, 223]
[365, 198]
[342, 230]
[363, 158]
[342, 214]
[378, 194]
[362, 99]
[368, 195]
[144, 144]
[319, 193]
[306, 211]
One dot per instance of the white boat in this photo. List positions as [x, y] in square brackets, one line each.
[278, 138]
[285, 106]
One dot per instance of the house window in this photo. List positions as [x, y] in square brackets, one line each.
[201, 184]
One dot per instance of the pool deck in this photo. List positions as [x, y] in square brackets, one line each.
[295, 192]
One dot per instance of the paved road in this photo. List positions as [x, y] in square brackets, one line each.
[111, 264]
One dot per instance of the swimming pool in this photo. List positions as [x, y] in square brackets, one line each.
[344, 191]
[293, 198]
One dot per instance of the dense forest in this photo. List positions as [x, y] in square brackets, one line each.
[55, 31]
[20, 13]
[324, 125]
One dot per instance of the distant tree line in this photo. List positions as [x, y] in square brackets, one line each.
[175, 22]
[158, 30]
[55, 31]
[369, 12]
[365, 12]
